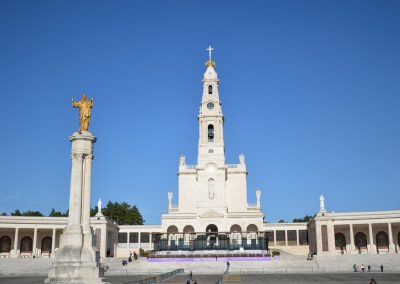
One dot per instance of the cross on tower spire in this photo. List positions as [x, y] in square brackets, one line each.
[209, 62]
[209, 52]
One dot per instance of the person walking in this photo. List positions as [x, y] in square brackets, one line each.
[381, 268]
[369, 268]
[372, 281]
[362, 267]
[190, 276]
[354, 268]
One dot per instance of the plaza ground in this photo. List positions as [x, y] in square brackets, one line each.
[286, 269]
[332, 278]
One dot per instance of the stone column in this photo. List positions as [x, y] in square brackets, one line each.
[128, 242]
[331, 238]
[103, 242]
[297, 237]
[139, 241]
[87, 163]
[372, 248]
[53, 243]
[286, 240]
[318, 238]
[151, 241]
[390, 233]
[34, 247]
[76, 260]
[351, 239]
[75, 206]
[16, 241]
[274, 238]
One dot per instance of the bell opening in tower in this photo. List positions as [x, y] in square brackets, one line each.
[210, 133]
[210, 89]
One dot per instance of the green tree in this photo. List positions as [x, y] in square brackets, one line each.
[16, 213]
[4, 214]
[32, 213]
[123, 213]
[54, 213]
[93, 211]
[281, 221]
[306, 218]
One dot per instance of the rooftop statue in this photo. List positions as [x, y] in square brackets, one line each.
[85, 110]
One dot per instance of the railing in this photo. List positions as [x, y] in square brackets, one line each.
[232, 166]
[221, 279]
[191, 167]
[158, 278]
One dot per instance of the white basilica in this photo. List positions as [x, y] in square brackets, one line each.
[212, 213]
[212, 194]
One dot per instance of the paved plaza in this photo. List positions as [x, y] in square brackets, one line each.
[332, 278]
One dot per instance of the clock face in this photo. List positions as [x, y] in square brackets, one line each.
[210, 105]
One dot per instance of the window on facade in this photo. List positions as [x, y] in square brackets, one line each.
[209, 89]
[133, 238]
[303, 237]
[292, 237]
[210, 133]
[122, 237]
[144, 237]
[280, 236]
[270, 236]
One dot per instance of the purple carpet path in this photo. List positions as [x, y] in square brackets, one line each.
[211, 259]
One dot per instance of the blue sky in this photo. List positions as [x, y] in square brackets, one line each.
[310, 92]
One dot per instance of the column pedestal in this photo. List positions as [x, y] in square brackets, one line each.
[77, 261]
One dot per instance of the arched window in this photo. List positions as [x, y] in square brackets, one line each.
[188, 229]
[209, 89]
[382, 240]
[340, 241]
[235, 229]
[360, 240]
[212, 229]
[252, 228]
[26, 244]
[5, 244]
[172, 230]
[46, 244]
[210, 133]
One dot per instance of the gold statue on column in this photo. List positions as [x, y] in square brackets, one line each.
[85, 111]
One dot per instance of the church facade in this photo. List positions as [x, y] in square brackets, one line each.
[212, 212]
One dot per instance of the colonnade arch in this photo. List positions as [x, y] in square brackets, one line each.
[382, 240]
[360, 241]
[26, 245]
[5, 244]
[46, 245]
[340, 241]
[398, 239]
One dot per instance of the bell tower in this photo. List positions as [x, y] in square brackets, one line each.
[211, 119]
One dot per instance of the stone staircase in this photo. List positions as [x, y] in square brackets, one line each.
[284, 264]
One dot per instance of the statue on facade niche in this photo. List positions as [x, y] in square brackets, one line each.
[85, 110]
